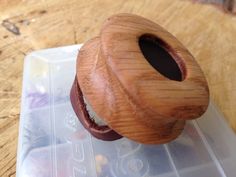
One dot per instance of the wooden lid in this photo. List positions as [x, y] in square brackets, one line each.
[141, 80]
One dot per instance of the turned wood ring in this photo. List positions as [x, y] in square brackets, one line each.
[140, 80]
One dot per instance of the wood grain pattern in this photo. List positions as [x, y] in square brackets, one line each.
[206, 31]
[131, 96]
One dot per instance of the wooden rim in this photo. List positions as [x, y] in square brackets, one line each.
[159, 95]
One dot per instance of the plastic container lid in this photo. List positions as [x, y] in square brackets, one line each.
[53, 143]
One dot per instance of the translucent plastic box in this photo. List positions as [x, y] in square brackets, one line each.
[53, 143]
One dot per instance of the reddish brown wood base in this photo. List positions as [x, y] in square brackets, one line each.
[101, 132]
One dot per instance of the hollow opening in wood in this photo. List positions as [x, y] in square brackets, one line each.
[161, 57]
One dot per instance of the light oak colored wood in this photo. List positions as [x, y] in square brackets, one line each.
[131, 96]
[207, 32]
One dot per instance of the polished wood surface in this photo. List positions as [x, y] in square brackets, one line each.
[206, 31]
[130, 95]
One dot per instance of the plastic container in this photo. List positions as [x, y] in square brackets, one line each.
[53, 143]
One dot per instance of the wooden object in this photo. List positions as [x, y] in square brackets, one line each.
[207, 32]
[126, 88]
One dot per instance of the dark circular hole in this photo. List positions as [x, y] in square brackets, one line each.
[156, 53]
